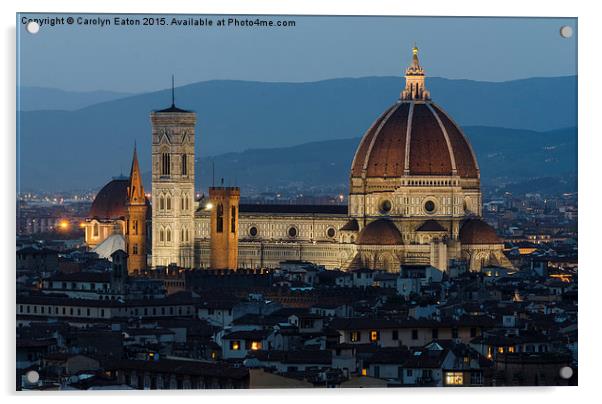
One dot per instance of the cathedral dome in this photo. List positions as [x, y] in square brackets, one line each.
[111, 201]
[476, 231]
[380, 232]
[414, 136]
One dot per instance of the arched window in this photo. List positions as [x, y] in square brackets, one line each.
[182, 202]
[182, 234]
[168, 235]
[233, 219]
[95, 230]
[184, 164]
[220, 218]
[161, 203]
[168, 202]
[135, 227]
[161, 235]
[165, 164]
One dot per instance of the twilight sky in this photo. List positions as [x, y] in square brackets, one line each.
[140, 59]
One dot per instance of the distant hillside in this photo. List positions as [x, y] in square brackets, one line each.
[504, 155]
[42, 98]
[83, 148]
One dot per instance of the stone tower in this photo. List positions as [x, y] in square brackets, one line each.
[136, 223]
[224, 227]
[173, 186]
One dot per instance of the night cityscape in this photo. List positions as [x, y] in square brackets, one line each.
[420, 258]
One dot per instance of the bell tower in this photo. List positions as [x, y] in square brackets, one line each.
[136, 223]
[224, 227]
[173, 134]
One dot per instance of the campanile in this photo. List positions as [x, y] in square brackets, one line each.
[173, 134]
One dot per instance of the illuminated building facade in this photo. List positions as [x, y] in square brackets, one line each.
[414, 198]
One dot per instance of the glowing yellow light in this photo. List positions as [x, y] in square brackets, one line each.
[63, 224]
[454, 378]
[364, 372]
[209, 206]
[235, 346]
[82, 225]
[255, 345]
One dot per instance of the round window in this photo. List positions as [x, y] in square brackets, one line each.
[331, 232]
[385, 206]
[292, 231]
[253, 231]
[429, 206]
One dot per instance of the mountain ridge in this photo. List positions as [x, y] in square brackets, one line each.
[75, 149]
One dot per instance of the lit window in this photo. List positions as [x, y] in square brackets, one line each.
[373, 336]
[255, 345]
[454, 378]
[510, 349]
[500, 349]
[235, 345]
[364, 372]
[355, 336]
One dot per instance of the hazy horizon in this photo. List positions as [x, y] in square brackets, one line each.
[282, 82]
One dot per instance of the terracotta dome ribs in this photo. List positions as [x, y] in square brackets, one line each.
[429, 154]
[466, 165]
[414, 138]
[387, 155]
[364, 146]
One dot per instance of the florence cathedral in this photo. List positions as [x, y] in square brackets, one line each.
[414, 198]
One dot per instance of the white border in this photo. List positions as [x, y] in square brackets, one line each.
[590, 145]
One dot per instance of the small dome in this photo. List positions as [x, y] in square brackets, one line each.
[431, 225]
[476, 231]
[111, 201]
[380, 232]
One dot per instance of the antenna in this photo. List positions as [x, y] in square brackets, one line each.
[213, 172]
[173, 96]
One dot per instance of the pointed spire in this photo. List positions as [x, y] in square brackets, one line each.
[415, 88]
[136, 189]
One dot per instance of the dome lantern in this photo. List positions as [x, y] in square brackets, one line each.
[415, 89]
